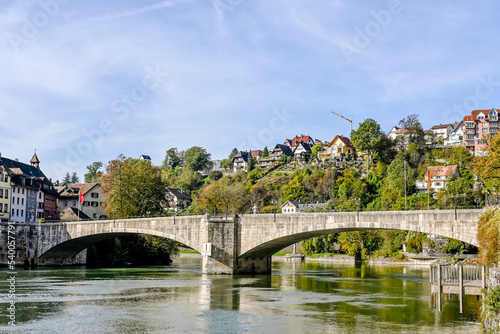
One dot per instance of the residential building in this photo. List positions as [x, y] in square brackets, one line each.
[442, 131]
[240, 161]
[340, 146]
[216, 166]
[440, 177]
[395, 132]
[274, 155]
[302, 152]
[178, 199]
[299, 139]
[478, 127]
[456, 136]
[5, 193]
[257, 154]
[299, 206]
[29, 186]
[145, 157]
[93, 197]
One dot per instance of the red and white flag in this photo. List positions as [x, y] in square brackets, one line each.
[81, 197]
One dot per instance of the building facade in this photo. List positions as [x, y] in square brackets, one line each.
[5, 193]
[478, 128]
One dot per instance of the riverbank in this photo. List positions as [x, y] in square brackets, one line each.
[337, 259]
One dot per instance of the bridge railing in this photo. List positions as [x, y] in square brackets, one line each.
[230, 216]
[450, 273]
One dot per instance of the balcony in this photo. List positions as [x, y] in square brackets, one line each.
[470, 125]
[493, 125]
[493, 118]
[470, 132]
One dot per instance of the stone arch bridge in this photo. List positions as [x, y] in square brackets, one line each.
[244, 244]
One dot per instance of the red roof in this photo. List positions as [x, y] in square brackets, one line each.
[446, 171]
[301, 139]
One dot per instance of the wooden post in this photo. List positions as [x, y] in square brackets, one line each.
[438, 297]
[461, 287]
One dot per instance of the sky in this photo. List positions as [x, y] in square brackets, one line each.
[85, 81]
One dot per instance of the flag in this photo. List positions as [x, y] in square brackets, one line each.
[81, 197]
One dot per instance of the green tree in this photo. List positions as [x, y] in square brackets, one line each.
[133, 188]
[226, 164]
[94, 172]
[67, 178]
[74, 178]
[314, 151]
[413, 130]
[488, 237]
[173, 158]
[488, 166]
[265, 153]
[366, 136]
[221, 196]
[251, 162]
[295, 191]
[197, 159]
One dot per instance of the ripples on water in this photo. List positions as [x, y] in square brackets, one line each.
[296, 298]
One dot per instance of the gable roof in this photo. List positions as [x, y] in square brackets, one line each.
[441, 126]
[286, 150]
[180, 193]
[84, 188]
[345, 140]
[446, 171]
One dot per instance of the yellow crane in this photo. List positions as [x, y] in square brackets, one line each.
[347, 119]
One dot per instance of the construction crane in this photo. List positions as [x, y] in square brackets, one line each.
[347, 119]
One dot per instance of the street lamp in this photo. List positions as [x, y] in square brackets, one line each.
[454, 196]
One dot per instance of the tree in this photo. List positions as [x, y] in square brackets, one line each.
[251, 162]
[67, 178]
[221, 196]
[197, 159]
[75, 178]
[294, 190]
[265, 153]
[314, 151]
[93, 172]
[413, 130]
[487, 167]
[133, 188]
[384, 149]
[233, 153]
[172, 158]
[366, 136]
[226, 164]
[488, 237]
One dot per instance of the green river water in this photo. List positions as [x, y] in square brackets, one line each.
[297, 298]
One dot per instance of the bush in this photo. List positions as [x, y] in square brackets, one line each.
[492, 300]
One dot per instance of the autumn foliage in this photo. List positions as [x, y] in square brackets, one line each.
[488, 234]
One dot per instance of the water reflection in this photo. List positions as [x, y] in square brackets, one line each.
[297, 297]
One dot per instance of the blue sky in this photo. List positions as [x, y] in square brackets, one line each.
[85, 81]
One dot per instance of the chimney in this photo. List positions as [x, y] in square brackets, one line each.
[17, 159]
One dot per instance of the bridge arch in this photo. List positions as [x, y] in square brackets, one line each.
[289, 229]
[65, 240]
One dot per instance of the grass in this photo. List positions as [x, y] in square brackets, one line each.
[188, 252]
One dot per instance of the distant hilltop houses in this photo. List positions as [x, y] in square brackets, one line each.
[471, 132]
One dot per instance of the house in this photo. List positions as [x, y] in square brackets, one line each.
[477, 127]
[395, 132]
[178, 199]
[440, 177]
[442, 131]
[302, 152]
[299, 206]
[257, 154]
[456, 136]
[340, 146]
[144, 157]
[4, 194]
[32, 195]
[240, 161]
[299, 139]
[216, 166]
[92, 194]
[274, 155]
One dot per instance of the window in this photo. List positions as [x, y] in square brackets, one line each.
[18, 189]
[22, 213]
[65, 204]
[94, 204]
[18, 199]
[23, 191]
[12, 212]
[17, 212]
[6, 208]
[94, 195]
[6, 194]
[1, 194]
[22, 201]
[94, 215]
[40, 195]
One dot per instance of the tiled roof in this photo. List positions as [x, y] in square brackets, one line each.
[286, 150]
[441, 171]
[440, 126]
[345, 140]
[83, 187]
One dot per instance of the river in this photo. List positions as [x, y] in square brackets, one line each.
[297, 298]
